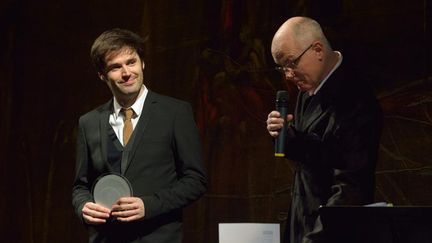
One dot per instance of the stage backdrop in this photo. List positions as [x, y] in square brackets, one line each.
[214, 54]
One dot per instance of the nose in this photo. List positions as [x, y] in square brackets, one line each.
[289, 73]
[125, 71]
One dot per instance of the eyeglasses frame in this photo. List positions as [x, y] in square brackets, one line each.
[293, 64]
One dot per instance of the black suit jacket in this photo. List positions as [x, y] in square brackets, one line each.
[163, 164]
[334, 144]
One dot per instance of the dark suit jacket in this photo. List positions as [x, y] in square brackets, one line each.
[163, 164]
[334, 144]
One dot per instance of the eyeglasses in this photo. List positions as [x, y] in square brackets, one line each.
[292, 64]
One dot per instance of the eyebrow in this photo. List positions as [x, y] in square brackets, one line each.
[281, 58]
[278, 55]
[113, 65]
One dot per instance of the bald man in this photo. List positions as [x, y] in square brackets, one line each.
[335, 129]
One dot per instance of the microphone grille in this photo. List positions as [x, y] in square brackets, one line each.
[282, 95]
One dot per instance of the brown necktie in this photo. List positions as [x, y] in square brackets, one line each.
[127, 128]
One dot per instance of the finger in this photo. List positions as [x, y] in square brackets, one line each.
[94, 214]
[272, 114]
[93, 221]
[126, 213]
[128, 219]
[95, 210]
[96, 207]
[274, 134]
[130, 215]
[275, 120]
[290, 117]
[274, 127]
[126, 200]
[123, 207]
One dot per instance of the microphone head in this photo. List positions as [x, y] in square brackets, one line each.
[282, 98]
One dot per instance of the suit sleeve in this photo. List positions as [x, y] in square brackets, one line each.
[192, 180]
[81, 190]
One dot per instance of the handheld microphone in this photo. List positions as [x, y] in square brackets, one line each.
[282, 107]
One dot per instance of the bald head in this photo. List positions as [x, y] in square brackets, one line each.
[298, 32]
[303, 52]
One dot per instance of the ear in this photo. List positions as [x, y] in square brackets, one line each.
[318, 49]
[143, 65]
[317, 46]
[101, 77]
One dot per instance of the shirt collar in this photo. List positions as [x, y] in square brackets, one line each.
[137, 107]
[330, 73]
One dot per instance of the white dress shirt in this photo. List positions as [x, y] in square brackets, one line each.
[116, 118]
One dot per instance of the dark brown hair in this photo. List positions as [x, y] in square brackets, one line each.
[114, 40]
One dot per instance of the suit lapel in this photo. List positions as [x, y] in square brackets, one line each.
[309, 112]
[137, 136]
[103, 128]
[313, 112]
[320, 104]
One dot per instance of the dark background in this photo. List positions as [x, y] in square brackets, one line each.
[208, 53]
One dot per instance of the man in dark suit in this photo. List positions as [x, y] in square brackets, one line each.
[335, 131]
[161, 158]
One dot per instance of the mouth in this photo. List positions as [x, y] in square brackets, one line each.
[128, 82]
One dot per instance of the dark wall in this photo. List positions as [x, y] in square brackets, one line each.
[208, 53]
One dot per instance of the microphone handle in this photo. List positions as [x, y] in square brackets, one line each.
[281, 138]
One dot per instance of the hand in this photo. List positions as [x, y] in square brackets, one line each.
[95, 214]
[128, 209]
[275, 122]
